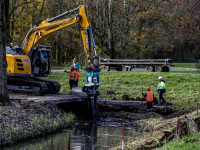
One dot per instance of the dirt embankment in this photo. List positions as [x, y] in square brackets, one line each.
[29, 120]
[156, 128]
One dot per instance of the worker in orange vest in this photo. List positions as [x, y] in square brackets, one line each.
[77, 76]
[72, 79]
[149, 98]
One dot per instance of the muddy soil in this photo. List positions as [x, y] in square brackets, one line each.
[155, 128]
[138, 112]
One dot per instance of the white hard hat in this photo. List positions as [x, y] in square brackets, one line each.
[159, 77]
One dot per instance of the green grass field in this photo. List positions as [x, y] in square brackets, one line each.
[182, 88]
[184, 66]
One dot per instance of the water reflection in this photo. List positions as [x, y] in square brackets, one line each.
[86, 137]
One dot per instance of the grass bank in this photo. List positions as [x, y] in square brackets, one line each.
[19, 122]
[182, 88]
[188, 142]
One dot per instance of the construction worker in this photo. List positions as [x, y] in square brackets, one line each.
[72, 79]
[77, 76]
[149, 98]
[161, 90]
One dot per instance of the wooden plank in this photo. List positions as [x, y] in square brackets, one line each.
[53, 98]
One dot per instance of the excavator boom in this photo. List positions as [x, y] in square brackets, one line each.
[37, 33]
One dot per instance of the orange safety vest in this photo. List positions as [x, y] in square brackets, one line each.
[77, 75]
[72, 74]
[149, 96]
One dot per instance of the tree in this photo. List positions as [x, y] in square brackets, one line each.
[111, 23]
[4, 98]
[66, 43]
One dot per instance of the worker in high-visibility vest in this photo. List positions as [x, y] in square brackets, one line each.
[77, 76]
[72, 77]
[149, 98]
[161, 90]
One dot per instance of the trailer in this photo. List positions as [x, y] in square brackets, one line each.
[157, 65]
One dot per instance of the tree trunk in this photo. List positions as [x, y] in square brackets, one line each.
[3, 63]
[7, 21]
[12, 23]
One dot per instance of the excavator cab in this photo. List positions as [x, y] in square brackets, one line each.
[41, 61]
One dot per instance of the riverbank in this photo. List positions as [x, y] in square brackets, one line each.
[19, 122]
[155, 129]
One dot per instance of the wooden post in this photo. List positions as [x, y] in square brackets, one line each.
[123, 137]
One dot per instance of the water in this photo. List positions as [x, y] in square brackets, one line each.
[84, 136]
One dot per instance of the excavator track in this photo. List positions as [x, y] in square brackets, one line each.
[26, 86]
[33, 86]
[53, 86]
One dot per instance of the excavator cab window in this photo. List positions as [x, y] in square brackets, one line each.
[44, 59]
[41, 61]
[16, 50]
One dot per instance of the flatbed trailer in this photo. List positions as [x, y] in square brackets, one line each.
[157, 65]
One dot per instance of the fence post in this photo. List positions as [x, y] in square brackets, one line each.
[123, 137]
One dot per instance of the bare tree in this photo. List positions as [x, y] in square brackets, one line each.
[112, 21]
[4, 98]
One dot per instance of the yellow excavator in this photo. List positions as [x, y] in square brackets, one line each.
[27, 64]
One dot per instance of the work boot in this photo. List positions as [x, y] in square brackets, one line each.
[159, 104]
[165, 103]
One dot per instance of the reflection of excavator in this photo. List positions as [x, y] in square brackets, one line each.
[31, 61]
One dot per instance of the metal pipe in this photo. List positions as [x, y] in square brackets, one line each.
[61, 15]
[137, 60]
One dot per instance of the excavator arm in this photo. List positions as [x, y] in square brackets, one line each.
[37, 33]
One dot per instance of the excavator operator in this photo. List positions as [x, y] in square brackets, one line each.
[73, 77]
